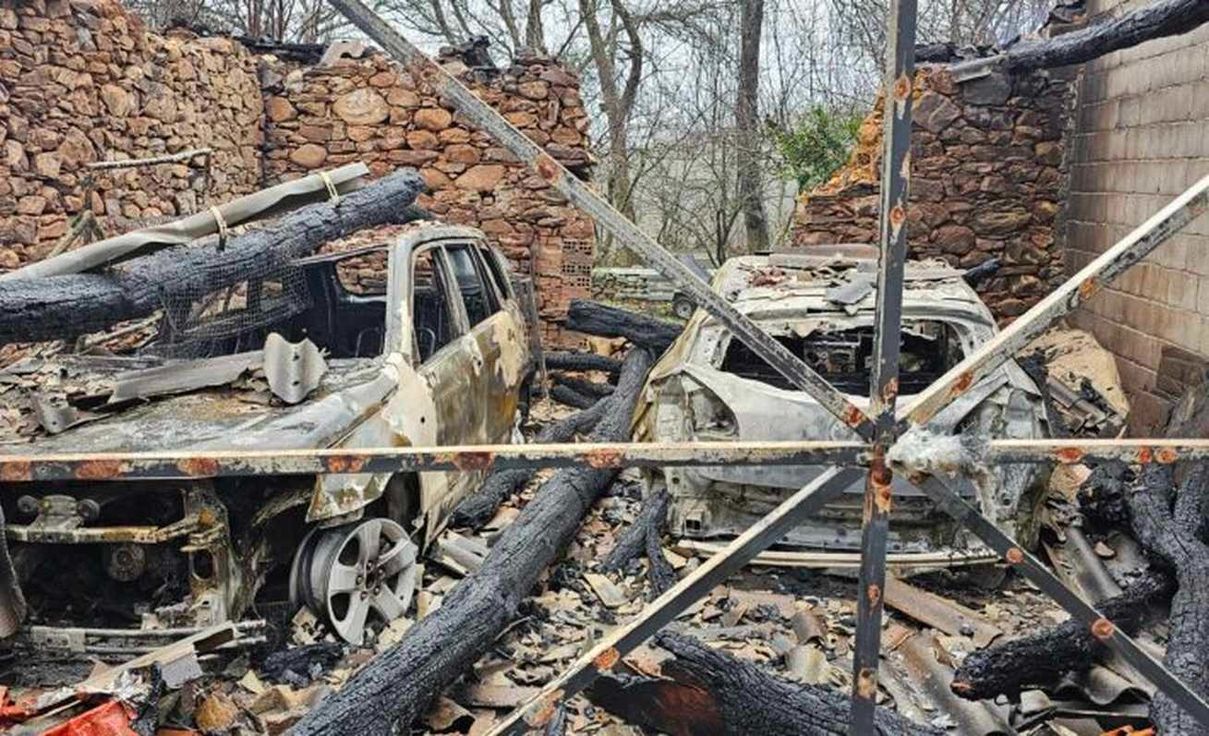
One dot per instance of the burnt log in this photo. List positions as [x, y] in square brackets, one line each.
[643, 537]
[570, 397]
[1041, 660]
[63, 307]
[594, 318]
[477, 509]
[569, 361]
[399, 684]
[1149, 22]
[706, 692]
[1171, 530]
[582, 385]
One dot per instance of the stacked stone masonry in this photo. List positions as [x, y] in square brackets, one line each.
[83, 81]
[987, 181]
[369, 110]
[1141, 137]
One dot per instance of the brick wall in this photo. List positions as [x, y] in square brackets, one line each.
[82, 81]
[1141, 138]
[368, 110]
[986, 181]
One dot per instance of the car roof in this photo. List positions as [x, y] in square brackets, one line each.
[839, 279]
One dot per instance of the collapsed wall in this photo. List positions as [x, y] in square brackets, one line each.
[987, 182]
[83, 81]
[370, 110]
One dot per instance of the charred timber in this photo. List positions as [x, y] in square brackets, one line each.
[568, 361]
[706, 692]
[399, 684]
[570, 397]
[582, 385]
[644, 537]
[1149, 22]
[1041, 660]
[477, 509]
[594, 318]
[62, 307]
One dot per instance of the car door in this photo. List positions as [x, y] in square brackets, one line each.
[498, 336]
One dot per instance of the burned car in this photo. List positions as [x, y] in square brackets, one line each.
[421, 341]
[709, 387]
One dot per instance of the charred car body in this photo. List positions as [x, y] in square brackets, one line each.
[421, 341]
[708, 386]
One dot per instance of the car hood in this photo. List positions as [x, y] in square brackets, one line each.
[226, 417]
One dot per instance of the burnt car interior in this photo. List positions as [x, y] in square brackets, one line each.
[338, 301]
[845, 357]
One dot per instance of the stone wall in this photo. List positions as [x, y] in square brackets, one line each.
[986, 182]
[368, 110]
[82, 82]
[1139, 141]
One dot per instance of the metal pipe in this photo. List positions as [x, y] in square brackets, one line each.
[892, 227]
[192, 465]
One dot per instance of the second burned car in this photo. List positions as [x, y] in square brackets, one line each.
[709, 386]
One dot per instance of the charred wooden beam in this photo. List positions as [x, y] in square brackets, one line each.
[1040, 660]
[62, 307]
[569, 396]
[582, 385]
[706, 692]
[644, 537]
[1151, 21]
[570, 361]
[602, 320]
[399, 684]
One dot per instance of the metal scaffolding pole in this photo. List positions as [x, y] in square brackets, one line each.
[883, 385]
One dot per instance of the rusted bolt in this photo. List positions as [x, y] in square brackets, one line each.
[1014, 556]
[473, 460]
[902, 87]
[898, 216]
[603, 459]
[853, 417]
[606, 659]
[1144, 456]
[16, 471]
[1069, 455]
[547, 168]
[1102, 628]
[874, 594]
[963, 383]
[99, 469]
[1088, 287]
[866, 684]
[1166, 455]
[890, 391]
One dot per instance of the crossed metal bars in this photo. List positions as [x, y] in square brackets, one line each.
[879, 432]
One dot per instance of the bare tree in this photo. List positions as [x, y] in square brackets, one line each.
[747, 125]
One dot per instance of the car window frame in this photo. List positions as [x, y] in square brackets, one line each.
[444, 271]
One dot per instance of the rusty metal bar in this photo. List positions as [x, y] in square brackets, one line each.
[1080, 610]
[883, 385]
[186, 464]
[577, 193]
[1110, 264]
[536, 711]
